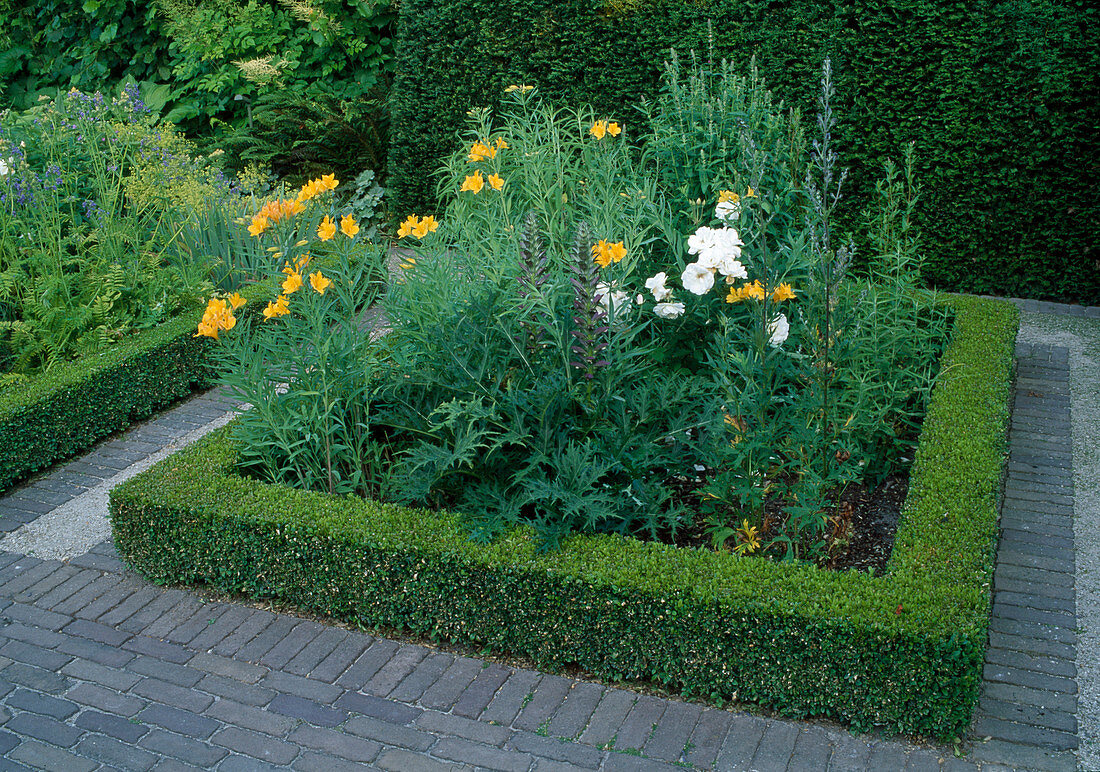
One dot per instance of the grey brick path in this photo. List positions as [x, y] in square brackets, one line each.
[101, 670]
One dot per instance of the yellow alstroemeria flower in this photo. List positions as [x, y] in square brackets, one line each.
[473, 183]
[430, 224]
[319, 282]
[407, 226]
[327, 229]
[599, 253]
[598, 129]
[728, 196]
[501, 144]
[292, 283]
[496, 181]
[616, 251]
[783, 292]
[329, 181]
[480, 151]
[349, 226]
[521, 88]
[613, 129]
[754, 291]
[236, 300]
[259, 225]
[280, 307]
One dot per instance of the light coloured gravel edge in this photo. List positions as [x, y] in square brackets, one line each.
[81, 523]
[1082, 337]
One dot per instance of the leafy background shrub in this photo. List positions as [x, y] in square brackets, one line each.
[1000, 100]
[296, 84]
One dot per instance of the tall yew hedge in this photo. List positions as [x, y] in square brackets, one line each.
[999, 97]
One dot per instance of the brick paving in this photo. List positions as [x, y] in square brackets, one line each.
[102, 670]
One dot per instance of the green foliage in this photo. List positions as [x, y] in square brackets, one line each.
[295, 84]
[89, 203]
[1000, 99]
[902, 651]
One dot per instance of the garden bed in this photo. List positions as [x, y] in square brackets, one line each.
[903, 650]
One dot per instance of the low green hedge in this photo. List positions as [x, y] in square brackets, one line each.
[53, 415]
[902, 650]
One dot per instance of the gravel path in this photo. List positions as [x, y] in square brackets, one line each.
[1082, 337]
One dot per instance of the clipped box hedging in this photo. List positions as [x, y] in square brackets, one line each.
[1001, 99]
[51, 416]
[903, 650]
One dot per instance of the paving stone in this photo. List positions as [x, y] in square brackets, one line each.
[181, 697]
[45, 585]
[707, 737]
[162, 651]
[297, 639]
[580, 756]
[38, 617]
[572, 717]
[178, 721]
[315, 651]
[1030, 645]
[180, 675]
[200, 754]
[263, 747]
[1012, 754]
[485, 756]
[921, 760]
[254, 650]
[127, 730]
[342, 658]
[244, 672]
[227, 687]
[318, 691]
[107, 700]
[1024, 734]
[115, 753]
[849, 754]
[36, 702]
[1035, 715]
[247, 717]
[422, 676]
[179, 614]
[1022, 695]
[625, 762]
[307, 710]
[389, 734]
[640, 724]
[1029, 678]
[336, 743]
[34, 636]
[457, 726]
[399, 760]
[34, 678]
[377, 707]
[811, 749]
[94, 631]
[132, 605]
[118, 680]
[205, 617]
[43, 728]
[237, 763]
[608, 717]
[1051, 633]
[511, 697]
[224, 626]
[162, 604]
[367, 664]
[34, 655]
[548, 696]
[400, 665]
[89, 594]
[1034, 601]
[39, 756]
[741, 742]
[110, 564]
[7, 742]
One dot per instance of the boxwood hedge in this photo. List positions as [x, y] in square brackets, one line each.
[902, 650]
[51, 416]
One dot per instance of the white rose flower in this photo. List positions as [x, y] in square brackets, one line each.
[778, 330]
[668, 310]
[732, 269]
[727, 211]
[609, 298]
[697, 279]
[3, 168]
[656, 285]
[703, 238]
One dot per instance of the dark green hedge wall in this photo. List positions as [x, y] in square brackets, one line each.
[1000, 99]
